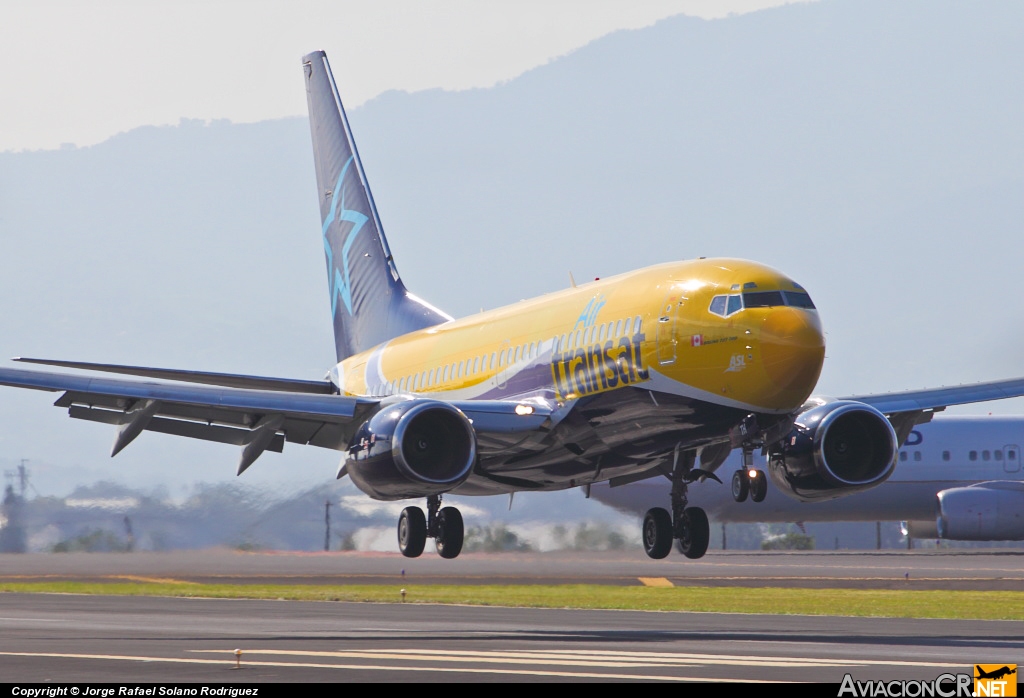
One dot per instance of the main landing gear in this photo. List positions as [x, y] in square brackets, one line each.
[688, 526]
[443, 525]
[749, 481]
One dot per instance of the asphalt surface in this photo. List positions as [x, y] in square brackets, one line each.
[84, 640]
[863, 570]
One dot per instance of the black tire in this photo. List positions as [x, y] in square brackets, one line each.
[696, 533]
[758, 486]
[657, 533]
[412, 532]
[450, 532]
[740, 485]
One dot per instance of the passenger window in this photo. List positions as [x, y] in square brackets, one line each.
[985, 455]
[476, 364]
[945, 456]
[903, 456]
[444, 376]
[533, 349]
[629, 324]
[600, 334]
[618, 327]
[973, 455]
[636, 325]
[917, 456]
[998, 455]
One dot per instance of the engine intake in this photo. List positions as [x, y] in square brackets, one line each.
[413, 448]
[834, 449]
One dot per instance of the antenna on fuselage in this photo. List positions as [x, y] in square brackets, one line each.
[572, 281]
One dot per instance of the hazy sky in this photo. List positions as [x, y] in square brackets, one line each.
[73, 72]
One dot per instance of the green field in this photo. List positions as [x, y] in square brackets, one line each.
[989, 605]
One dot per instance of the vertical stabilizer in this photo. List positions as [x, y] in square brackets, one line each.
[369, 302]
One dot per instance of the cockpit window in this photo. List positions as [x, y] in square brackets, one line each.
[763, 299]
[798, 299]
[735, 302]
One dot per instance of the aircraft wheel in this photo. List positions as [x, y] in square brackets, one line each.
[740, 485]
[657, 533]
[450, 532]
[412, 531]
[758, 486]
[696, 533]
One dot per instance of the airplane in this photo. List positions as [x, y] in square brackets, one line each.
[957, 478]
[995, 674]
[659, 371]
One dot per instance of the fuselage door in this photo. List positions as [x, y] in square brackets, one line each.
[1011, 458]
[668, 338]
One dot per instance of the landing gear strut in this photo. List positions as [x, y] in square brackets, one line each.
[687, 525]
[443, 525]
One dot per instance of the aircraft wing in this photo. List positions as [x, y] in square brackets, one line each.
[938, 398]
[243, 417]
[256, 418]
[909, 408]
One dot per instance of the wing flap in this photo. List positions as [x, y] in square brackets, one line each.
[177, 427]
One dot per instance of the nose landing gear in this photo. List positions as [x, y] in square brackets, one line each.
[445, 526]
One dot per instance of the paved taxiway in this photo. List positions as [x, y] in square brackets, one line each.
[80, 638]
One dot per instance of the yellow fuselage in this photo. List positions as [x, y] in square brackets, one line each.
[679, 328]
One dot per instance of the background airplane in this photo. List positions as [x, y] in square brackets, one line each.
[957, 478]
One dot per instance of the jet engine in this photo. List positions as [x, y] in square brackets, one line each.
[985, 511]
[834, 449]
[413, 448]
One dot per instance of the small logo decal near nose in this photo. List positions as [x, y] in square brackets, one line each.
[738, 362]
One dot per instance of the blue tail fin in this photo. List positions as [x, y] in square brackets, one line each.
[369, 302]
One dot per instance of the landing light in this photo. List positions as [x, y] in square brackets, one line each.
[523, 410]
[752, 473]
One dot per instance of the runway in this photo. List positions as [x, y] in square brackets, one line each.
[69, 638]
[962, 569]
[103, 639]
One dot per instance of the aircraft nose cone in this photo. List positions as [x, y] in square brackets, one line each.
[793, 349]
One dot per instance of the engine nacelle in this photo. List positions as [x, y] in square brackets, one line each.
[834, 449]
[986, 511]
[410, 449]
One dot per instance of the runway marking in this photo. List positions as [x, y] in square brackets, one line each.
[151, 580]
[655, 582]
[372, 667]
[608, 658]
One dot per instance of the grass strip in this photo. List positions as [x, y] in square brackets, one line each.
[982, 605]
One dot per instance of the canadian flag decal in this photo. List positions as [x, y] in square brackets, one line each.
[696, 340]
